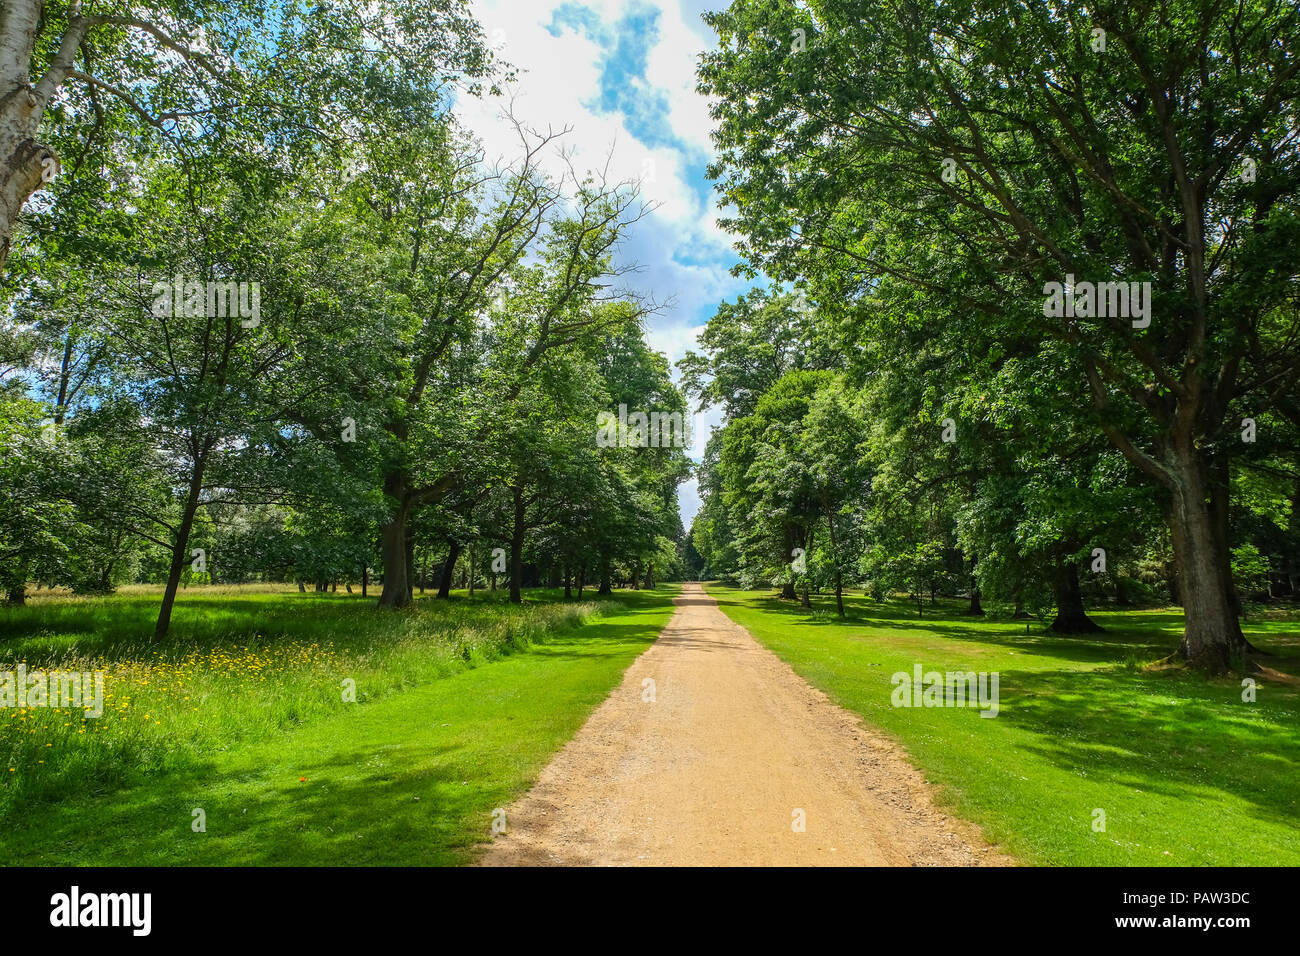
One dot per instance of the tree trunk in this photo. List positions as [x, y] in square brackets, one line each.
[1220, 491]
[1220, 481]
[1211, 633]
[410, 563]
[179, 554]
[392, 547]
[835, 560]
[604, 575]
[23, 161]
[365, 578]
[568, 589]
[1175, 592]
[517, 549]
[65, 381]
[1122, 598]
[582, 578]
[448, 569]
[1071, 618]
[790, 538]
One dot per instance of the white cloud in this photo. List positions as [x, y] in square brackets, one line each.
[688, 501]
[671, 66]
[682, 254]
[559, 83]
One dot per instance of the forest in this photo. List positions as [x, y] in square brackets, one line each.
[1033, 337]
[275, 316]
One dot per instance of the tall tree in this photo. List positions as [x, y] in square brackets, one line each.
[967, 156]
[472, 237]
[262, 76]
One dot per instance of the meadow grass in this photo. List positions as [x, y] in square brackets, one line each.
[246, 698]
[1186, 772]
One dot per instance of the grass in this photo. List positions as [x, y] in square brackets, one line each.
[241, 715]
[1186, 772]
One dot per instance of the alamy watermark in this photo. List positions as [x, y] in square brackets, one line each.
[53, 689]
[1121, 300]
[129, 910]
[190, 298]
[642, 429]
[951, 689]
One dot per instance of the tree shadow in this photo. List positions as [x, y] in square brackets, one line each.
[1167, 733]
[1128, 635]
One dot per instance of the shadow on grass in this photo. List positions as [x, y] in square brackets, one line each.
[1170, 734]
[1132, 635]
[411, 779]
[353, 808]
[1162, 732]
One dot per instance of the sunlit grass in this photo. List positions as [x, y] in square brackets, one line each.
[240, 664]
[460, 705]
[1185, 771]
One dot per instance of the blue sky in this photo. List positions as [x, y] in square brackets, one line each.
[621, 74]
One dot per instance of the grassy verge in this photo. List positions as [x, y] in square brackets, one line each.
[459, 705]
[1185, 771]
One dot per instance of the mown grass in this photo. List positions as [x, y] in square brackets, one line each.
[1186, 772]
[246, 699]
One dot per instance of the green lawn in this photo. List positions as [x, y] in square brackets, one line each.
[459, 706]
[1186, 772]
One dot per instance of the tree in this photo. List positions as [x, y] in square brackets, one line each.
[257, 76]
[831, 444]
[750, 344]
[207, 337]
[934, 153]
[768, 489]
[39, 528]
[467, 232]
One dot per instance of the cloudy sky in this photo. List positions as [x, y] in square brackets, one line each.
[621, 74]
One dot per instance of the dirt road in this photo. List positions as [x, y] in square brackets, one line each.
[717, 761]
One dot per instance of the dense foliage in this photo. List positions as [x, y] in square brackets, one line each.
[277, 317]
[1048, 251]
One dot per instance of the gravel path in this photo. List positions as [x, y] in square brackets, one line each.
[721, 765]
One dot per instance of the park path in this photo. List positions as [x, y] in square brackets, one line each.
[712, 771]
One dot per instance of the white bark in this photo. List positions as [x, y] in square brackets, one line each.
[18, 20]
[22, 158]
